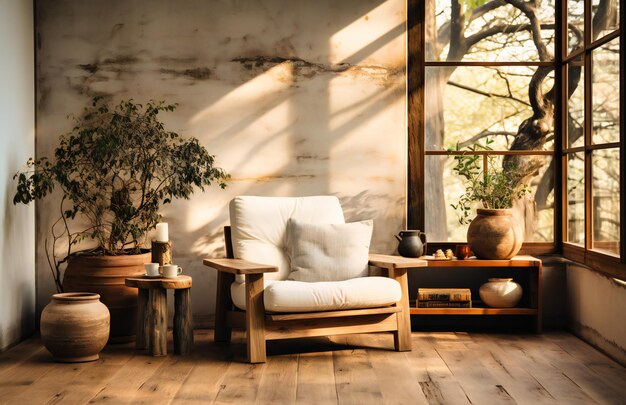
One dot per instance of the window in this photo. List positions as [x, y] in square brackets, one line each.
[592, 121]
[539, 79]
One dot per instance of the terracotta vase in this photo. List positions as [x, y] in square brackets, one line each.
[105, 275]
[500, 293]
[495, 234]
[75, 327]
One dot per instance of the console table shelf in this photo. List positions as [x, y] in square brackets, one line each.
[471, 273]
[474, 311]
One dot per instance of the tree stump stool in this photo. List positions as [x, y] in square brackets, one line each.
[152, 314]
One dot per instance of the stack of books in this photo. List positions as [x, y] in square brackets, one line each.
[444, 298]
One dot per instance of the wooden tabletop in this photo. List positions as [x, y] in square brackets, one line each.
[177, 283]
[517, 261]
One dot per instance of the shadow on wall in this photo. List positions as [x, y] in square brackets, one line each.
[304, 87]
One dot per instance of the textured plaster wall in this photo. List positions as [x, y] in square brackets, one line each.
[597, 306]
[17, 140]
[294, 98]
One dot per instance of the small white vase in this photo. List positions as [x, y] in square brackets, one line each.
[500, 293]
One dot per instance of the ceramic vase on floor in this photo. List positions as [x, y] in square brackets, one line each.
[500, 293]
[75, 327]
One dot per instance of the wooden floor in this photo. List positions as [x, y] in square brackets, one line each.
[443, 368]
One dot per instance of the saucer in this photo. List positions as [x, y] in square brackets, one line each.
[147, 276]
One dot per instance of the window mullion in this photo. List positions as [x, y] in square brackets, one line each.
[622, 153]
[588, 136]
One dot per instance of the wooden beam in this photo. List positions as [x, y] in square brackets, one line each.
[415, 114]
[330, 326]
[332, 314]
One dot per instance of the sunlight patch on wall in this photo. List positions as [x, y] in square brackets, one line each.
[346, 44]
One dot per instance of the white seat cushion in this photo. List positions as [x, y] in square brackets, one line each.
[298, 296]
[259, 226]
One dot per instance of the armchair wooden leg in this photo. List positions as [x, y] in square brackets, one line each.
[402, 337]
[255, 318]
[222, 306]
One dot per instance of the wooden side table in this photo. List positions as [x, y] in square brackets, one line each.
[526, 270]
[152, 314]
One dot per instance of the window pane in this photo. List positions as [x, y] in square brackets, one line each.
[443, 187]
[605, 93]
[576, 198]
[606, 202]
[442, 190]
[605, 17]
[576, 24]
[576, 104]
[467, 104]
[483, 26]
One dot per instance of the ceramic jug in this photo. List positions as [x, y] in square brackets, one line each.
[412, 243]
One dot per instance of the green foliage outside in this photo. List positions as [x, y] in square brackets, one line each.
[492, 187]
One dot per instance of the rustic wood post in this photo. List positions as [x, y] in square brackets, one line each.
[183, 323]
[142, 312]
[162, 252]
[158, 321]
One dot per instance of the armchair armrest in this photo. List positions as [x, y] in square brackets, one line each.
[395, 262]
[239, 266]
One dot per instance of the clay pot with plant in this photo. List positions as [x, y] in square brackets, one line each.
[495, 232]
[115, 169]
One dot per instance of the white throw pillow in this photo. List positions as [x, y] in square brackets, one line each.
[328, 252]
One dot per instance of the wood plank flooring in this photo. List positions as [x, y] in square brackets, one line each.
[443, 368]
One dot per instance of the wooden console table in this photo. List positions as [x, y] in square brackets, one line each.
[152, 314]
[525, 270]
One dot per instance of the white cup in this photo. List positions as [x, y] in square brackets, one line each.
[171, 270]
[152, 269]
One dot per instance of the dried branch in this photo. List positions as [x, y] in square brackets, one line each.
[487, 94]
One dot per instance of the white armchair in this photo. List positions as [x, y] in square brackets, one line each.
[260, 299]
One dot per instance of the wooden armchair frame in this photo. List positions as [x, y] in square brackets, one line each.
[261, 326]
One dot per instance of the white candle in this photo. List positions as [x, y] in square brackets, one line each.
[161, 232]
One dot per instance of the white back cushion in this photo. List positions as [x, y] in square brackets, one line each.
[259, 226]
[329, 252]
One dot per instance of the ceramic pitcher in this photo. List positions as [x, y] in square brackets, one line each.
[412, 243]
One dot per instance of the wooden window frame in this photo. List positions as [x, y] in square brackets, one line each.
[606, 263]
[416, 67]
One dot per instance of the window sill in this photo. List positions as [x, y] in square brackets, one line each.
[606, 264]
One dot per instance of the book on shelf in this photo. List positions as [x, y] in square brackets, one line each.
[444, 294]
[444, 304]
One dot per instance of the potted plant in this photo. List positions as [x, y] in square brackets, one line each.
[115, 169]
[495, 233]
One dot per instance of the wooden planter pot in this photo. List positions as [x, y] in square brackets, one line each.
[105, 275]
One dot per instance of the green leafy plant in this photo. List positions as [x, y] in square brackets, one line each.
[115, 169]
[493, 187]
